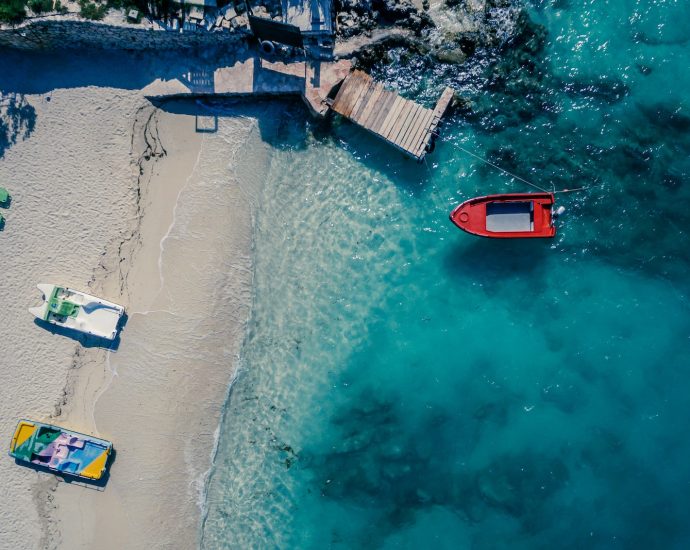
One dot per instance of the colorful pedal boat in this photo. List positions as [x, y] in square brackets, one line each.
[60, 450]
[507, 216]
[79, 311]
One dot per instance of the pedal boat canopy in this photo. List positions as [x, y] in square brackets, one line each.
[60, 450]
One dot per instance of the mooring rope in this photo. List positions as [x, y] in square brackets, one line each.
[503, 170]
[574, 190]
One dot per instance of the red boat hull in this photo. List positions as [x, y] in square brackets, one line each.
[507, 216]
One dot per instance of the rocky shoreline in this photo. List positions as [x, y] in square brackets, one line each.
[450, 31]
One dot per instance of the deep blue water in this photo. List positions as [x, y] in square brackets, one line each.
[407, 385]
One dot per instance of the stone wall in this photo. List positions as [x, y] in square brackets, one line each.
[68, 31]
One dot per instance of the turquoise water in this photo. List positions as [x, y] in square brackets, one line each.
[406, 385]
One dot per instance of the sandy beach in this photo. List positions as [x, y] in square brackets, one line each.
[115, 196]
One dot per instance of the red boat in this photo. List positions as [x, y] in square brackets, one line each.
[508, 216]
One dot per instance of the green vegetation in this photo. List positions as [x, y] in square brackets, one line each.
[15, 11]
[12, 11]
[45, 6]
[91, 10]
[158, 9]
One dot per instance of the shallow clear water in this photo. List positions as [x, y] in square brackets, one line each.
[405, 384]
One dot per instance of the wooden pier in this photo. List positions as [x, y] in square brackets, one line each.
[401, 122]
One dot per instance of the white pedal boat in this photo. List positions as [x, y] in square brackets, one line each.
[79, 311]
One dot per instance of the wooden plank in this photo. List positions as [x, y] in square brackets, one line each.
[387, 103]
[399, 118]
[421, 130]
[402, 112]
[355, 97]
[433, 125]
[444, 101]
[416, 129]
[352, 96]
[425, 143]
[419, 142]
[345, 86]
[377, 125]
[351, 86]
[390, 118]
[362, 101]
[425, 139]
[371, 104]
[372, 110]
[336, 100]
[437, 113]
[357, 102]
[397, 134]
[412, 128]
[426, 136]
[345, 89]
[403, 136]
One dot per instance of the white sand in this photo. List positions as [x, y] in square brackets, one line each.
[61, 218]
[174, 246]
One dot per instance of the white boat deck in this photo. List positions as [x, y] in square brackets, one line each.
[508, 217]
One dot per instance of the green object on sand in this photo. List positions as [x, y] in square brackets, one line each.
[4, 195]
[60, 306]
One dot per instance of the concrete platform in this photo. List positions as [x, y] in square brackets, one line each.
[254, 76]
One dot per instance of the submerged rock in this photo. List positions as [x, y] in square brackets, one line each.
[604, 89]
[452, 55]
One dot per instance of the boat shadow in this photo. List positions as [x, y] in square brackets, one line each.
[86, 340]
[485, 258]
[92, 484]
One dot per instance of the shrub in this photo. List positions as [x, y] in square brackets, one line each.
[40, 6]
[12, 11]
[91, 10]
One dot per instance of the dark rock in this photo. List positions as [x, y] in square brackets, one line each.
[450, 55]
[672, 182]
[417, 22]
[603, 89]
[378, 52]
[644, 69]
[468, 43]
[394, 10]
[667, 116]
[357, 6]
